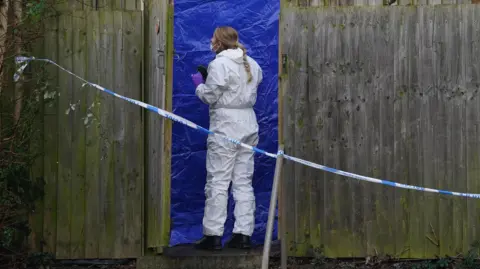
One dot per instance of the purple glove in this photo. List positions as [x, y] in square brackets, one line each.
[197, 79]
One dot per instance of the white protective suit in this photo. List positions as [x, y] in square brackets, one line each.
[231, 99]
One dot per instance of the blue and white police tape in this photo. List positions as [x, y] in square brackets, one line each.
[23, 62]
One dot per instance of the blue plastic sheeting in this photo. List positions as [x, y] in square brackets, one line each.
[194, 24]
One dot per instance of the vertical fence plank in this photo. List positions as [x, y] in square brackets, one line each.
[93, 153]
[427, 114]
[50, 131]
[331, 154]
[359, 127]
[384, 91]
[415, 174]
[133, 179]
[344, 107]
[400, 131]
[291, 48]
[167, 132]
[325, 142]
[156, 127]
[77, 199]
[119, 134]
[155, 94]
[366, 80]
[457, 102]
[374, 191]
[375, 170]
[471, 59]
[301, 127]
[349, 143]
[438, 122]
[65, 122]
[154, 124]
[476, 81]
[107, 229]
[464, 84]
[295, 70]
[444, 111]
[316, 52]
[388, 123]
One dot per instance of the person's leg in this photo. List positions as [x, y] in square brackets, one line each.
[244, 196]
[220, 164]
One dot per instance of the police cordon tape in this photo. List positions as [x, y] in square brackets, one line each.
[24, 61]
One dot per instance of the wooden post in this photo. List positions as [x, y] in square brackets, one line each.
[283, 223]
[271, 211]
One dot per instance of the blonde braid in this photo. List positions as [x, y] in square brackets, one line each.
[246, 64]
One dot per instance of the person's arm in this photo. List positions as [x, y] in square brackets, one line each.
[260, 75]
[216, 83]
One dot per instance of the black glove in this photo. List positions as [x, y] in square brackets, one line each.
[203, 70]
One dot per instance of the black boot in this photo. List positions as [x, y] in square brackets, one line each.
[240, 241]
[209, 243]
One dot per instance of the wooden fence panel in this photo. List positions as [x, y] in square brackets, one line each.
[392, 93]
[94, 154]
[158, 136]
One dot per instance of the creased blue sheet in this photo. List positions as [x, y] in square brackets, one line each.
[194, 23]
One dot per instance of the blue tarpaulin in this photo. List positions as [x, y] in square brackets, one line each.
[194, 24]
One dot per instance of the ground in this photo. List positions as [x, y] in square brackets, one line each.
[307, 263]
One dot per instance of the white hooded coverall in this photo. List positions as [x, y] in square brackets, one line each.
[231, 99]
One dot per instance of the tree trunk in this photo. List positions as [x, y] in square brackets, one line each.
[17, 20]
[4, 5]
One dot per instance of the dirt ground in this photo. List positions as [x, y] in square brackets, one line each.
[445, 263]
[296, 263]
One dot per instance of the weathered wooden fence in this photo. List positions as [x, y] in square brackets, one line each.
[392, 93]
[94, 153]
[106, 160]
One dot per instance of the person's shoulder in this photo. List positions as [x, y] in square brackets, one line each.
[253, 62]
[254, 66]
[220, 61]
[217, 63]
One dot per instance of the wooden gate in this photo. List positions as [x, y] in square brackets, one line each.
[106, 161]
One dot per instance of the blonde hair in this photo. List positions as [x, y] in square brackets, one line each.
[227, 38]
